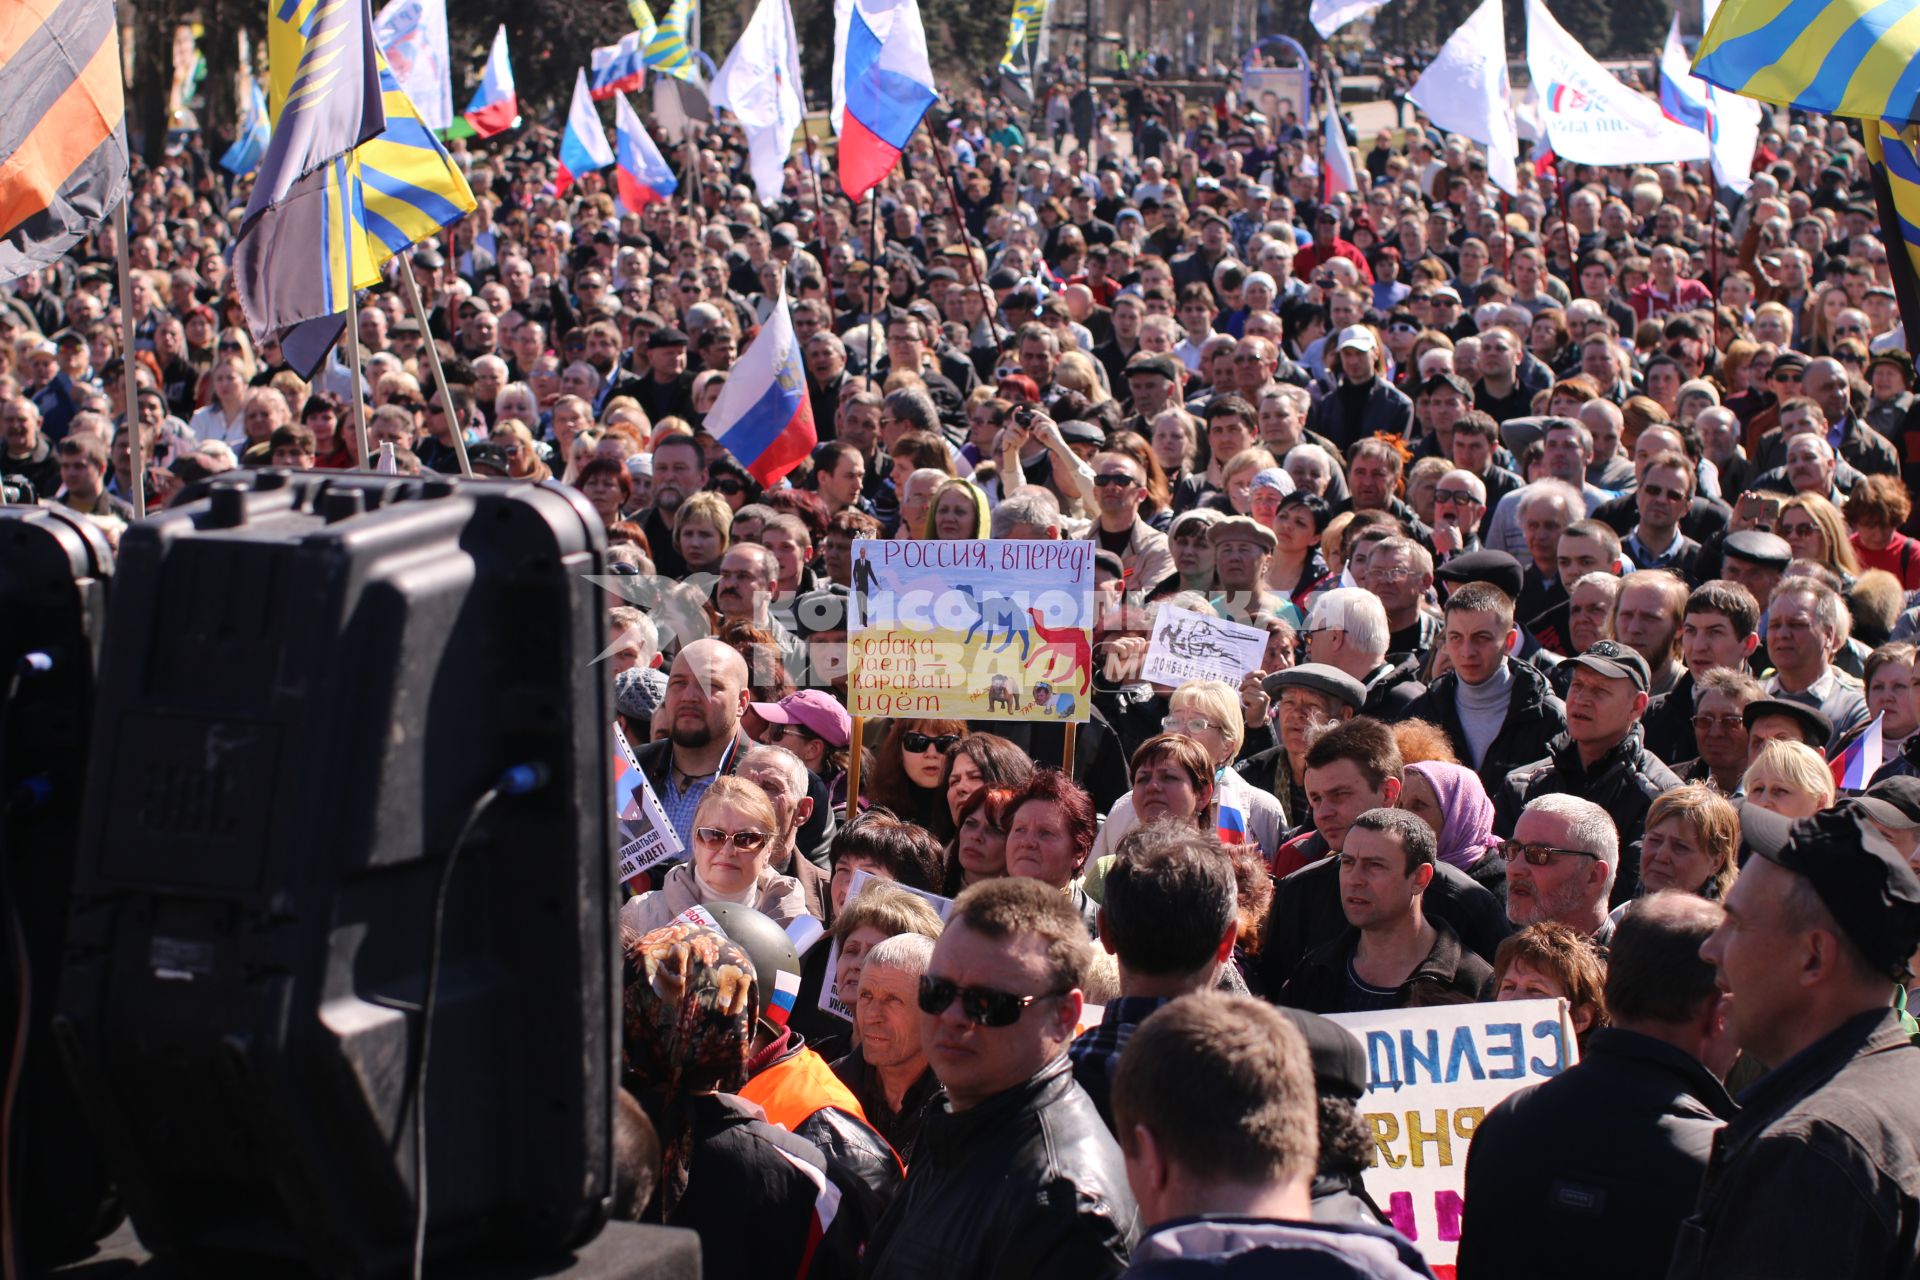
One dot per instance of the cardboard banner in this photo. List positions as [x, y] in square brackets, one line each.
[1192, 646]
[646, 839]
[971, 630]
[1432, 1075]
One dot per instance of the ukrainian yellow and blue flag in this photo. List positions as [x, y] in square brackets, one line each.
[1858, 58]
[1896, 189]
[670, 49]
[351, 169]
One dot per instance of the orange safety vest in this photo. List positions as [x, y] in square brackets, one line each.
[791, 1091]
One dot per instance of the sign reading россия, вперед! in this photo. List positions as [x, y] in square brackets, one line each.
[1432, 1074]
[981, 629]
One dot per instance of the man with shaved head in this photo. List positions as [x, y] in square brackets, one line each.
[706, 692]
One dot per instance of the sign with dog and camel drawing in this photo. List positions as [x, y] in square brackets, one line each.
[983, 629]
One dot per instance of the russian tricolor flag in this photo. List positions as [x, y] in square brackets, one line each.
[583, 147]
[640, 173]
[763, 416]
[882, 86]
[1230, 825]
[1854, 767]
[495, 107]
[619, 67]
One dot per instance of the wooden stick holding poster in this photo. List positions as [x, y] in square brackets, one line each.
[985, 629]
[853, 767]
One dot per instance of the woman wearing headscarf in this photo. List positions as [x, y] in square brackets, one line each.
[1452, 800]
[691, 997]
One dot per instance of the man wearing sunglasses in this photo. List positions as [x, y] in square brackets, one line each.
[1562, 864]
[1016, 1174]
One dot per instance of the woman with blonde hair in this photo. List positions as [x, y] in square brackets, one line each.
[1692, 836]
[1076, 372]
[585, 448]
[958, 512]
[1816, 531]
[701, 529]
[1789, 778]
[523, 460]
[734, 829]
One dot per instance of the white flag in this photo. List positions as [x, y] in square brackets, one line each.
[760, 84]
[413, 35]
[1465, 91]
[1731, 122]
[1336, 161]
[1331, 15]
[1590, 117]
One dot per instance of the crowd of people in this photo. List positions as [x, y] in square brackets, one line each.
[1578, 525]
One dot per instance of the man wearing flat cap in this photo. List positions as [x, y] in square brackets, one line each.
[1241, 548]
[1816, 1176]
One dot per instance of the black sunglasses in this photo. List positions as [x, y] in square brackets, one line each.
[981, 1005]
[917, 742]
[1536, 854]
[727, 485]
[1112, 482]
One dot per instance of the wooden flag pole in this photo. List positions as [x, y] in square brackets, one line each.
[853, 767]
[357, 378]
[1066, 751]
[456, 430]
[123, 232]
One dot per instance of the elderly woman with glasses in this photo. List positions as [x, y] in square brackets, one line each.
[734, 830]
[523, 460]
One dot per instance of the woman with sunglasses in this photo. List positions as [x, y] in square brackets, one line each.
[523, 461]
[702, 531]
[909, 773]
[731, 481]
[1816, 531]
[734, 829]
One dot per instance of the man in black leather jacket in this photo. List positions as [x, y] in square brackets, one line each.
[1016, 1175]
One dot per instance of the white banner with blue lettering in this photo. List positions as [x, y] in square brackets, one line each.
[1432, 1074]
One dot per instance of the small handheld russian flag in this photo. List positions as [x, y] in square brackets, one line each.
[1231, 825]
[496, 105]
[641, 174]
[583, 147]
[1854, 767]
[780, 1001]
[763, 416]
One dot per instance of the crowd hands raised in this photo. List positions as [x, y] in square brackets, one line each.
[1581, 548]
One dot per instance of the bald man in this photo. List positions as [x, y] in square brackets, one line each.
[706, 692]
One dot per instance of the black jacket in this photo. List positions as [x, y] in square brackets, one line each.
[1221, 1247]
[1350, 413]
[1668, 724]
[1027, 1183]
[1449, 975]
[1610, 1153]
[1624, 782]
[1819, 1174]
[1306, 914]
[900, 1128]
[1534, 716]
[1392, 689]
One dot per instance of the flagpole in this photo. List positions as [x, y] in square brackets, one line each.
[136, 447]
[353, 368]
[455, 429]
[960, 225]
[813, 161]
[873, 263]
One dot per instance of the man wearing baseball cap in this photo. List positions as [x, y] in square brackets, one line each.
[1601, 757]
[1363, 404]
[1818, 934]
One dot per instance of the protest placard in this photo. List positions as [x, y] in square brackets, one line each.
[980, 629]
[1432, 1075]
[830, 989]
[1192, 646]
[646, 838]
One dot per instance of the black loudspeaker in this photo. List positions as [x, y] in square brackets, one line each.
[55, 567]
[310, 681]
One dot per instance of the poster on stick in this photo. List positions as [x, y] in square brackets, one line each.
[646, 839]
[982, 629]
[1432, 1075]
[1193, 646]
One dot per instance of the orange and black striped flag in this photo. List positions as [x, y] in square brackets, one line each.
[63, 134]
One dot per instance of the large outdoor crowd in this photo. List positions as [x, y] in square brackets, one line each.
[1577, 522]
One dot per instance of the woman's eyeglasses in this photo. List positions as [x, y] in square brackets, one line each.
[727, 485]
[919, 742]
[745, 841]
[1187, 724]
[980, 1005]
